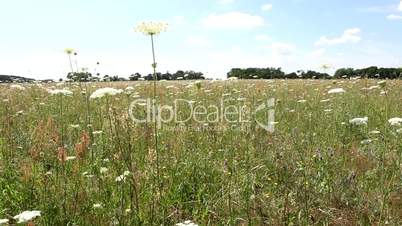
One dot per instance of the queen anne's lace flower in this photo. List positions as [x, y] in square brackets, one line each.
[395, 121]
[187, 223]
[3, 221]
[337, 90]
[359, 121]
[105, 92]
[151, 28]
[17, 87]
[64, 92]
[26, 216]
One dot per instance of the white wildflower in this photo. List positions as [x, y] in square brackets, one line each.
[365, 142]
[26, 216]
[359, 121]
[105, 92]
[187, 223]
[122, 177]
[97, 132]
[151, 28]
[375, 132]
[76, 126]
[103, 170]
[3, 221]
[395, 121]
[337, 90]
[63, 92]
[97, 206]
[68, 158]
[17, 87]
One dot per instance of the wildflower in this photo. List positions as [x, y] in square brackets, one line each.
[3, 221]
[97, 206]
[359, 121]
[97, 132]
[63, 92]
[27, 216]
[151, 28]
[382, 83]
[17, 87]
[187, 223]
[68, 158]
[69, 51]
[337, 90]
[76, 126]
[103, 170]
[122, 177]
[375, 132]
[105, 92]
[395, 121]
[365, 142]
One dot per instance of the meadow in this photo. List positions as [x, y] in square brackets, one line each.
[84, 161]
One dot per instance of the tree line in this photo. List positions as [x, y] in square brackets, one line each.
[343, 73]
[179, 75]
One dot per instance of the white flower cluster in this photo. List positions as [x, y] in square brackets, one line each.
[337, 90]
[105, 92]
[395, 121]
[26, 216]
[63, 92]
[359, 121]
[123, 176]
[17, 87]
[151, 28]
[187, 223]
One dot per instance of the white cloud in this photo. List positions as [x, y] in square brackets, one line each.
[349, 36]
[233, 20]
[195, 40]
[400, 6]
[225, 2]
[267, 7]
[318, 52]
[394, 17]
[282, 49]
[262, 37]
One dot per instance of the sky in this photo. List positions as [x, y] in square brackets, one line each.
[211, 36]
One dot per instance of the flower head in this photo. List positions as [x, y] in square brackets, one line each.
[151, 28]
[3, 221]
[187, 223]
[337, 90]
[395, 121]
[27, 216]
[69, 51]
[63, 92]
[359, 121]
[17, 87]
[105, 92]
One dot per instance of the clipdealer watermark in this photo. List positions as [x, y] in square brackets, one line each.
[188, 112]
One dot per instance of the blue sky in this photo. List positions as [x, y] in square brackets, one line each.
[211, 36]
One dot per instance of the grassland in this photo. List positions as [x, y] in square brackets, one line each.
[83, 161]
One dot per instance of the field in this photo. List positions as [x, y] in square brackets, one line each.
[85, 161]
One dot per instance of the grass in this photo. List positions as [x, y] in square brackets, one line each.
[315, 169]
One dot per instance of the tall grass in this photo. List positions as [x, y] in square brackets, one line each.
[316, 168]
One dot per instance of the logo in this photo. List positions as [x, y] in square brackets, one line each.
[195, 114]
